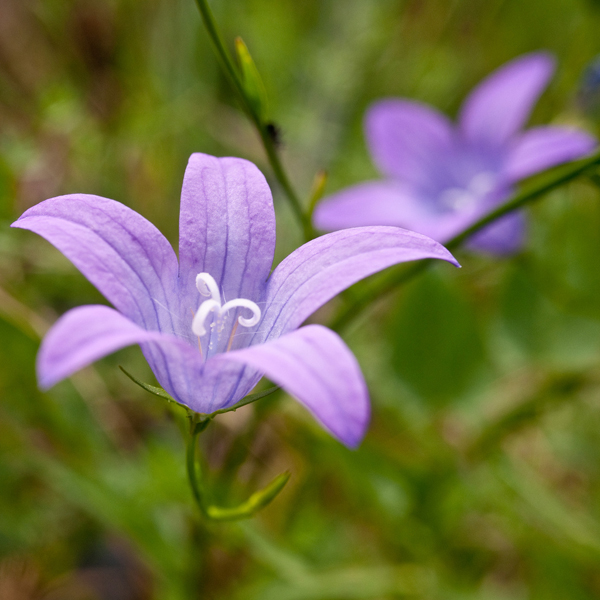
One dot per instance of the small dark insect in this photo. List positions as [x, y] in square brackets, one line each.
[274, 133]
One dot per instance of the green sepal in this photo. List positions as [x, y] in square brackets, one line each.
[249, 399]
[254, 87]
[250, 507]
[156, 391]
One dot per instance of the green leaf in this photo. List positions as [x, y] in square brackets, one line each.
[252, 81]
[250, 507]
[317, 190]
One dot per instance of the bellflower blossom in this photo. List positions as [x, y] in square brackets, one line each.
[213, 323]
[441, 178]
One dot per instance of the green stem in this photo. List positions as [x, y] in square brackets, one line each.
[245, 510]
[267, 139]
[397, 277]
[564, 175]
[196, 428]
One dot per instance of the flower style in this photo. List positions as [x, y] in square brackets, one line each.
[440, 179]
[213, 324]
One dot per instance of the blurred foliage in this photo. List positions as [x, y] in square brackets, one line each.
[480, 475]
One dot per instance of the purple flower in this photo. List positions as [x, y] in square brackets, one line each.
[441, 178]
[211, 325]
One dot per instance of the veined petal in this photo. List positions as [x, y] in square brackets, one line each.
[315, 366]
[226, 228]
[322, 268]
[119, 251]
[407, 138]
[540, 148]
[83, 335]
[88, 333]
[499, 106]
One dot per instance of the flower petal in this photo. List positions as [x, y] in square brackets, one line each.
[226, 228]
[370, 203]
[83, 335]
[320, 269]
[315, 366]
[499, 106]
[119, 251]
[406, 138]
[504, 236]
[87, 333]
[543, 147]
[388, 203]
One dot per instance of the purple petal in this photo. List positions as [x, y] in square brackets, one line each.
[203, 386]
[504, 236]
[227, 228]
[315, 366]
[544, 147]
[406, 139]
[119, 251]
[389, 203]
[370, 203]
[88, 333]
[499, 106]
[322, 268]
[80, 337]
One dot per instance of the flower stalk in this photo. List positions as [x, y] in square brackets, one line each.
[253, 112]
[257, 501]
[396, 278]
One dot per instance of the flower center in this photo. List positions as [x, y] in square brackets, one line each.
[207, 286]
[460, 199]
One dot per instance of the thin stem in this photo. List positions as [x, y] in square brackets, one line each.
[245, 510]
[196, 428]
[226, 62]
[265, 135]
[397, 277]
[284, 181]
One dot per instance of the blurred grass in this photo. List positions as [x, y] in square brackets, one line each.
[480, 475]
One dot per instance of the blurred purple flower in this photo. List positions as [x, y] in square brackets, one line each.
[211, 325]
[441, 178]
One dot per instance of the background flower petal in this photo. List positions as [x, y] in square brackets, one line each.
[322, 268]
[499, 106]
[407, 138]
[226, 228]
[120, 252]
[502, 237]
[370, 203]
[543, 147]
[315, 366]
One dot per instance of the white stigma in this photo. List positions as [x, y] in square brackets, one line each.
[208, 288]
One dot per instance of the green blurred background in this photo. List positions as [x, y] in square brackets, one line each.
[480, 475]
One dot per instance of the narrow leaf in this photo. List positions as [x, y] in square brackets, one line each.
[252, 81]
[317, 190]
[250, 507]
